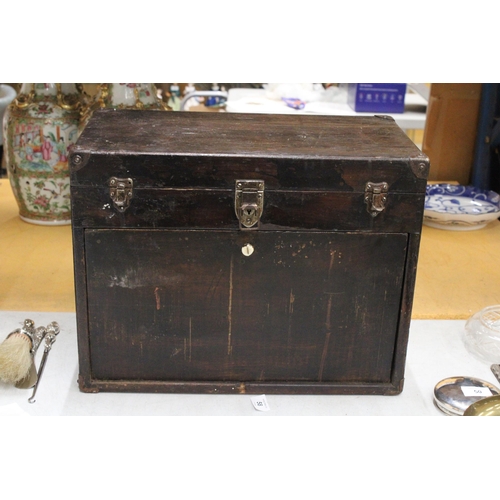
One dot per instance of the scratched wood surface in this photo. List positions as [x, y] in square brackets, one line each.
[208, 312]
[166, 299]
[286, 210]
[195, 150]
[254, 137]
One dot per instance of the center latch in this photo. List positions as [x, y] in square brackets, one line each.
[249, 202]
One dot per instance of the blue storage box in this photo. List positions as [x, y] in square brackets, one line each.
[377, 97]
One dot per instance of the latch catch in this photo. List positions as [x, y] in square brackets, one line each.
[249, 202]
[121, 192]
[376, 197]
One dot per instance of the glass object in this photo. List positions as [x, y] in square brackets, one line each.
[482, 334]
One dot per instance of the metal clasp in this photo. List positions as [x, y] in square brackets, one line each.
[249, 202]
[121, 192]
[375, 197]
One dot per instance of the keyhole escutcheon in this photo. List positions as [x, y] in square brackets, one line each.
[247, 250]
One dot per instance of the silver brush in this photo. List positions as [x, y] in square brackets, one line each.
[17, 354]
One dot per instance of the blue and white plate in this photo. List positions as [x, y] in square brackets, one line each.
[460, 208]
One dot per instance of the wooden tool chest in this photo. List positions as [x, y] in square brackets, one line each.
[233, 253]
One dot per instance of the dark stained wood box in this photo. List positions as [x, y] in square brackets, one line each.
[233, 253]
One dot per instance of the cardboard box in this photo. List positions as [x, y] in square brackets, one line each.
[451, 129]
[377, 97]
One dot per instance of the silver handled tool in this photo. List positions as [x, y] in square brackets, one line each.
[51, 333]
[496, 371]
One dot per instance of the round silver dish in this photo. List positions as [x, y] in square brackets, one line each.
[450, 398]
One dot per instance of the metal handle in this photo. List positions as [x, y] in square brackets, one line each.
[52, 331]
[496, 371]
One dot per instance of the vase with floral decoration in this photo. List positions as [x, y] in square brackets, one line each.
[7, 95]
[124, 96]
[39, 126]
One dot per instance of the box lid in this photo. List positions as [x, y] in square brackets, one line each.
[211, 150]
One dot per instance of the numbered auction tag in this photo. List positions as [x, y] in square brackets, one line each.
[470, 390]
[260, 403]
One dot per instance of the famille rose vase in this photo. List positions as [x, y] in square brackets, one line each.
[124, 96]
[39, 126]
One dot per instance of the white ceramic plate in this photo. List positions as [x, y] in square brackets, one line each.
[459, 208]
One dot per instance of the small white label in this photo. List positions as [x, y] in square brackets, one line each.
[260, 402]
[470, 390]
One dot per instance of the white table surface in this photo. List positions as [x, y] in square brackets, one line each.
[242, 100]
[435, 352]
